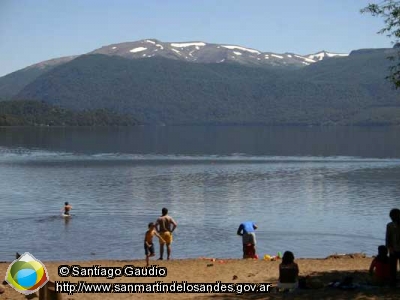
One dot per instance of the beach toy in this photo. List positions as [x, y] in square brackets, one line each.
[255, 256]
[221, 262]
[267, 257]
[279, 255]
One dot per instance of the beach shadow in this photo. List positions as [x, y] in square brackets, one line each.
[32, 296]
[363, 292]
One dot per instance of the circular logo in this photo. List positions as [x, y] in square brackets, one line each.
[27, 274]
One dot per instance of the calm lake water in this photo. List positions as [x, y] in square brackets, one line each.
[314, 191]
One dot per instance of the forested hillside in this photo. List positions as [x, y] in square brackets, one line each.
[34, 113]
[347, 90]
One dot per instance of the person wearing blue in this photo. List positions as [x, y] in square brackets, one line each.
[247, 231]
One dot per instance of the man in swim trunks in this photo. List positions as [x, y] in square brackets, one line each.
[165, 225]
[247, 231]
[67, 208]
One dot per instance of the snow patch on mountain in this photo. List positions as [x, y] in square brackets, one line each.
[241, 48]
[305, 58]
[237, 53]
[176, 51]
[323, 54]
[139, 49]
[183, 45]
[277, 56]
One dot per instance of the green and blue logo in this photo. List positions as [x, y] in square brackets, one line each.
[27, 274]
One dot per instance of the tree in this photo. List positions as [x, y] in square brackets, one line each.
[390, 11]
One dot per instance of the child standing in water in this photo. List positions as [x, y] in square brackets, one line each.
[67, 208]
[288, 272]
[148, 241]
[380, 267]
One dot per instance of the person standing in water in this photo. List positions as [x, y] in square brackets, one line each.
[67, 208]
[165, 226]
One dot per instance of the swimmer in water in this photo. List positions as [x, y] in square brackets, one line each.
[67, 208]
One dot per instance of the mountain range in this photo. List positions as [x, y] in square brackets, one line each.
[202, 52]
[199, 52]
[203, 83]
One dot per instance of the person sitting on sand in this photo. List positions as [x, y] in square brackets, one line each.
[165, 226]
[247, 231]
[67, 208]
[379, 269]
[288, 272]
[393, 243]
[148, 242]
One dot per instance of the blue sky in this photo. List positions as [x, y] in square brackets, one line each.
[35, 30]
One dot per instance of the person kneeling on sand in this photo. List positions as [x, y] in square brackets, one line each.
[148, 242]
[288, 272]
[380, 267]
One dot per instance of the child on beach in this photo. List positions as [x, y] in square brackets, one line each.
[288, 272]
[148, 241]
[380, 267]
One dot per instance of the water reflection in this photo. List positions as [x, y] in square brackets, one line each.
[66, 222]
[314, 205]
[203, 140]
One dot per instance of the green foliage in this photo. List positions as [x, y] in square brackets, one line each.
[389, 10]
[34, 113]
[12, 83]
[162, 91]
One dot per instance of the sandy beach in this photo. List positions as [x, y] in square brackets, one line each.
[206, 270]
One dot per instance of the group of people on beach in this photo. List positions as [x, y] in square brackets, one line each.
[162, 228]
[383, 268]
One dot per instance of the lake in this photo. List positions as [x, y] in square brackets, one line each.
[312, 190]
